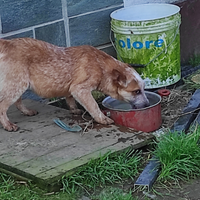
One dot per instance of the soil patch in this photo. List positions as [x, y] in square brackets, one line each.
[172, 106]
[184, 191]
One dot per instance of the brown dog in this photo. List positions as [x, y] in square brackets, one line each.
[73, 72]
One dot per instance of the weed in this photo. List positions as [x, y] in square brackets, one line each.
[108, 169]
[192, 82]
[10, 189]
[195, 60]
[179, 155]
[98, 96]
[114, 194]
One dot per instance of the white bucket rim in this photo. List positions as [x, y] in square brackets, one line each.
[142, 12]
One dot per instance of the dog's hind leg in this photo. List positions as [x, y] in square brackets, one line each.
[7, 125]
[4, 105]
[11, 88]
[20, 106]
[72, 105]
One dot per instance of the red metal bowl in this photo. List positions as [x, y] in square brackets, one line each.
[147, 119]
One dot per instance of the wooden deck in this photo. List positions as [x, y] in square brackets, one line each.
[43, 152]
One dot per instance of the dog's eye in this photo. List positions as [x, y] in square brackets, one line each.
[137, 91]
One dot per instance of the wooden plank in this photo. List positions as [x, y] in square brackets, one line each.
[17, 142]
[43, 152]
[40, 127]
[51, 176]
[68, 168]
[62, 143]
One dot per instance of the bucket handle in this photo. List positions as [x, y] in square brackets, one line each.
[140, 65]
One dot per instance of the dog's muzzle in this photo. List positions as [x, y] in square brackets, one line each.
[140, 102]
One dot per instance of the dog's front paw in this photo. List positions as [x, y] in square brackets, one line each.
[11, 127]
[105, 120]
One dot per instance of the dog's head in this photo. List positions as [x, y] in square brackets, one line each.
[130, 87]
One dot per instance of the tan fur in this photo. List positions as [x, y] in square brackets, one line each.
[73, 72]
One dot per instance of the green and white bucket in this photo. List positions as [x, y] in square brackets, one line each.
[148, 34]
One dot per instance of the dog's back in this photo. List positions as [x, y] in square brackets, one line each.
[53, 71]
[41, 64]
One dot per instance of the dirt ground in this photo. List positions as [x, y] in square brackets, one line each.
[171, 110]
[185, 191]
[172, 106]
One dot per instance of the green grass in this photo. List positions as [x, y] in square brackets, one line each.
[190, 84]
[108, 169]
[179, 155]
[195, 60]
[111, 193]
[98, 96]
[11, 189]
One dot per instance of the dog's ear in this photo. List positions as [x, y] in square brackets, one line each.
[119, 78]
